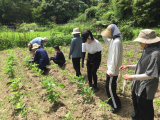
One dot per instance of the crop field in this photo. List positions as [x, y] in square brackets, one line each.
[26, 94]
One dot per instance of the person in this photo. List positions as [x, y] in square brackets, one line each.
[146, 77]
[39, 41]
[41, 57]
[76, 50]
[112, 37]
[59, 58]
[94, 48]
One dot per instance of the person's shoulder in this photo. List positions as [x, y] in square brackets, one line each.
[117, 41]
[156, 53]
[95, 40]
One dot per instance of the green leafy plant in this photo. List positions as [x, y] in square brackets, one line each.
[157, 105]
[84, 90]
[9, 64]
[69, 117]
[100, 74]
[104, 107]
[51, 88]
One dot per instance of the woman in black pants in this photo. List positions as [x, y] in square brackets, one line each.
[59, 58]
[94, 48]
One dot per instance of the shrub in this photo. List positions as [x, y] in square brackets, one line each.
[91, 12]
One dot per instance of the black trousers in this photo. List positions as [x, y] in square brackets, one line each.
[92, 72]
[76, 65]
[143, 108]
[59, 62]
[111, 86]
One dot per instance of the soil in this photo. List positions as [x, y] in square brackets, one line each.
[38, 108]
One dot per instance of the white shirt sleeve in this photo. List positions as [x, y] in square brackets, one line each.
[99, 47]
[107, 40]
[115, 57]
[132, 67]
[141, 77]
[83, 47]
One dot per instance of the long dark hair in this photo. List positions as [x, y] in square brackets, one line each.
[86, 34]
[57, 47]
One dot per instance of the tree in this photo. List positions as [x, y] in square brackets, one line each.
[16, 11]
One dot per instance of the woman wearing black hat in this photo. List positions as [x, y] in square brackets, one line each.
[94, 48]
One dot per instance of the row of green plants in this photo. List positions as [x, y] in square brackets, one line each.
[53, 94]
[17, 96]
[47, 82]
[83, 89]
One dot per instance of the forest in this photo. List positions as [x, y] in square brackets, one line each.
[139, 13]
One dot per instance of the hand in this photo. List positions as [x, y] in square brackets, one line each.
[127, 77]
[123, 67]
[32, 57]
[110, 75]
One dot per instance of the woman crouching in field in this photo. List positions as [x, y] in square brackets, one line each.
[146, 78]
[59, 57]
[94, 48]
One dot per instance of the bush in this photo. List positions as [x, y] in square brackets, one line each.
[126, 30]
[81, 17]
[91, 12]
[27, 27]
[62, 40]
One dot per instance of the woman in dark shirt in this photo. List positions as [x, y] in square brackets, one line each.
[59, 58]
[146, 78]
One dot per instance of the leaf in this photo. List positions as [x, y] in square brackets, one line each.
[67, 115]
[61, 85]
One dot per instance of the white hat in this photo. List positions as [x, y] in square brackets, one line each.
[45, 39]
[76, 31]
[147, 36]
[35, 45]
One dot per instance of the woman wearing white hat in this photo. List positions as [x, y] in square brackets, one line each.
[146, 78]
[76, 50]
[112, 37]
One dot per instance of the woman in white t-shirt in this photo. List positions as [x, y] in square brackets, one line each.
[94, 48]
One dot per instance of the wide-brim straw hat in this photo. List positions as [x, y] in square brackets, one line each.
[107, 32]
[76, 31]
[45, 39]
[147, 36]
[35, 45]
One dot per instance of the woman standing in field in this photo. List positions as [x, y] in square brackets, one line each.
[146, 78]
[94, 48]
[113, 38]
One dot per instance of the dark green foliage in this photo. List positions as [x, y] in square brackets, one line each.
[62, 40]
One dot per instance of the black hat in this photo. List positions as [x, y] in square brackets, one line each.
[85, 35]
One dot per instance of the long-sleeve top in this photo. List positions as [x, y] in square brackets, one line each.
[41, 57]
[37, 40]
[59, 56]
[94, 51]
[76, 47]
[115, 55]
[139, 76]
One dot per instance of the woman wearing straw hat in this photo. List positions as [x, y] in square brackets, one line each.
[113, 38]
[94, 48]
[146, 78]
[76, 50]
[41, 57]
